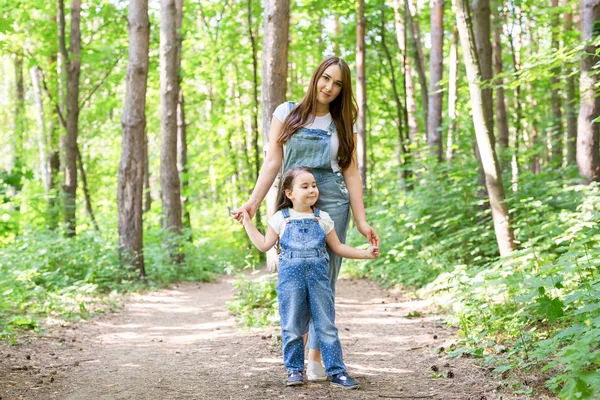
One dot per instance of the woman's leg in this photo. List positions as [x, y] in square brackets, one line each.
[335, 202]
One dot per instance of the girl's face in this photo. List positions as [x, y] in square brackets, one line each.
[329, 85]
[304, 192]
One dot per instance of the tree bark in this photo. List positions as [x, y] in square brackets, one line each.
[436, 68]
[42, 134]
[182, 157]
[419, 58]
[361, 93]
[570, 101]
[501, 117]
[254, 115]
[274, 85]
[504, 233]
[452, 94]
[400, 19]
[588, 132]
[86, 191]
[133, 154]
[402, 141]
[556, 131]
[72, 120]
[169, 177]
[483, 44]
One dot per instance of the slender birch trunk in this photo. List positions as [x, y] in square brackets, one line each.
[436, 70]
[361, 93]
[588, 131]
[169, 176]
[500, 216]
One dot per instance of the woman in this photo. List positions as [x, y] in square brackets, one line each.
[318, 133]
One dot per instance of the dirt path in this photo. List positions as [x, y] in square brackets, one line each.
[182, 344]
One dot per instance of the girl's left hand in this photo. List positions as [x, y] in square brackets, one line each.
[368, 232]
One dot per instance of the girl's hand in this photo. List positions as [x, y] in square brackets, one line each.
[249, 208]
[372, 252]
[245, 217]
[368, 232]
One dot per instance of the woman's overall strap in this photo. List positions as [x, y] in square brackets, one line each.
[291, 105]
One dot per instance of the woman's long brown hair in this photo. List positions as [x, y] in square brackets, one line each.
[343, 109]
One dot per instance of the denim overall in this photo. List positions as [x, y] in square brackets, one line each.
[303, 292]
[312, 148]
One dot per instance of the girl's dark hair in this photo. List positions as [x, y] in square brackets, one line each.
[287, 181]
[343, 109]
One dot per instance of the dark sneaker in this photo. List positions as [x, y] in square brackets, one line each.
[295, 378]
[344, 381]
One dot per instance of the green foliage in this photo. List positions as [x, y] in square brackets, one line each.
[539, 308]
[255, 302]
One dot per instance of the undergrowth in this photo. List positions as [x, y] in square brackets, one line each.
[537, 310]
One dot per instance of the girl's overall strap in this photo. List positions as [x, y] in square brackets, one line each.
[317, 213]
[286, 214]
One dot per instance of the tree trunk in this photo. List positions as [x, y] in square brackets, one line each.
[133, 154]
[169, 177]
[570, 101]
[452, 94]
[436, 68]
[588, 132]
[556, 131]
[147, 189]
[402, 141]
[401, 19]
[361, 93]
[501, 117]
[518, 108]
[481, 30]
[254, 116]
[274, 85]
[182, 157]
[504, 233]
[86, 191]
[72, 120]
[419, 58]
[42, 135]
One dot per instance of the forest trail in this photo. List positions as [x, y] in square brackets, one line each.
[181, 343]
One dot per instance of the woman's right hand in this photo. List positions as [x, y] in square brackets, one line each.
[250, 208]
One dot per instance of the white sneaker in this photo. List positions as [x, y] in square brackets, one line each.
[315, 372]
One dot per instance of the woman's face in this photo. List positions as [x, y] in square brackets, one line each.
[329, 84]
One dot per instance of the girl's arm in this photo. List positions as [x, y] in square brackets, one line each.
[354, 184]
[346, 251]
[268, 172]
[262, 243]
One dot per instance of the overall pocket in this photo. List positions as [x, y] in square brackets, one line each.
[308, 150]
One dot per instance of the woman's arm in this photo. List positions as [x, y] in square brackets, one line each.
[354, 185]
[262, 243]
[268, 172]
[346, 251]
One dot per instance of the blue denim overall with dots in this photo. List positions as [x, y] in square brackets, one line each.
[312, 148]
[303, 292]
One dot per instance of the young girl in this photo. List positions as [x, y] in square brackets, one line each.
[303, 288]
[317, 132]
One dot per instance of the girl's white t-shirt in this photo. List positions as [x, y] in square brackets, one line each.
[322, 122]
[277, 222]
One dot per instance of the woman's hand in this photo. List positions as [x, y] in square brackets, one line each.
[365, 229]
[249, 208]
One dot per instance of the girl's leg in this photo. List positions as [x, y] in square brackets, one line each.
[292, 295]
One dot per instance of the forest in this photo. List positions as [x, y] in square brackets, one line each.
[132, 128]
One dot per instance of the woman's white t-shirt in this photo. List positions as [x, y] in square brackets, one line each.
[322, 122]
[277, 222]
